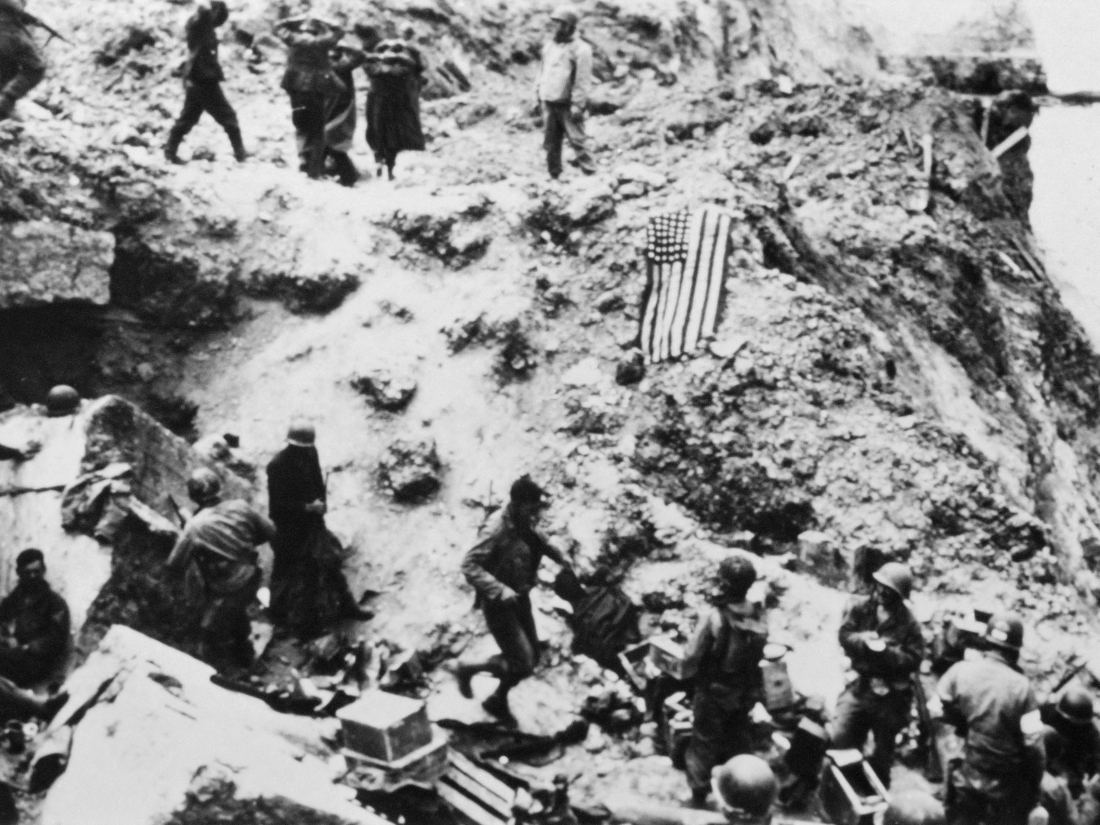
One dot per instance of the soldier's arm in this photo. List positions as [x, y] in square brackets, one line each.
[582, 79]
[264, 529]
[476, 573]
[851, 635]
[181, 553]
[56, 635]
[951, 712]
[700, 646]
[903, 654]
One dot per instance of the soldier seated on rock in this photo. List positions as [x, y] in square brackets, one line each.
[34, 621]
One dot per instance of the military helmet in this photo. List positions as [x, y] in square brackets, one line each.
[1076, 706]
[62, 400]
[896, 576]
[913, 808]
[745, 784]
[1005, 630]
[203, 486]
[565, 13]
[301, 434]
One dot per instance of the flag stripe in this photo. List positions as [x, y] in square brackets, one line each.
[685, 273]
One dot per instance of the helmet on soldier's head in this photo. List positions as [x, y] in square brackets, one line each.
[1076, 706]
[896, 576]
[204, 486]
[745, 784]
[913, 808]
[1006, 631]
[301, 434]
[565, 14]
[736, 575]
[62, 400]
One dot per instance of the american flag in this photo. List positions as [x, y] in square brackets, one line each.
[685, 272]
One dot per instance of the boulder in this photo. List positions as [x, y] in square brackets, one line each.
[44, 262]
[155, 741]
[411, 470]
[385, 390]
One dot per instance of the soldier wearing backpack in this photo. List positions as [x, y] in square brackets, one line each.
[723, 658]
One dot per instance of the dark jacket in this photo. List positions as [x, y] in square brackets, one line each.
[294, 479]
[202, 44]
[40, 622]
[221, 541]
[396, 72]
[1080, 747]
[725, 652]
[308, 65]
[507, 556]
[904, 644]
[993, 705]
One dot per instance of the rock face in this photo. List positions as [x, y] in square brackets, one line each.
[44, 262]
[411, 470]
[385, 390]
[158, 742]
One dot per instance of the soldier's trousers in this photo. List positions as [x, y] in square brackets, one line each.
[199, 97]
[559, 124]
[513, 628]
[21, 64]
[308, 116]
[860, 711]
[719, 732]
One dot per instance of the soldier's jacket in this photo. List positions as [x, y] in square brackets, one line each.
[507, 556]
[724, 654]
[39, 619]
[202, 44]
[902, 634]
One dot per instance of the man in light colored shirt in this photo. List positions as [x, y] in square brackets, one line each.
[565, 80]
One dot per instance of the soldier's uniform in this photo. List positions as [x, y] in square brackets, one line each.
[203, 85]
[993, 704]
[21, 64]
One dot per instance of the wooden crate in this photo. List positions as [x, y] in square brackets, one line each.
[667, 656]
[385, 726]
[850, 792]
[633, 660]
[421, 768]
[478, 797]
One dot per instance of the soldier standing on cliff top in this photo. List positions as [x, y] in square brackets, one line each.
[203, 83]
[565, 79]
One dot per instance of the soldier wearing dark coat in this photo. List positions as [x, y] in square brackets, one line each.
[202, 83]
[396, 73]
[308, 589]
[21, 64]
[311, 83]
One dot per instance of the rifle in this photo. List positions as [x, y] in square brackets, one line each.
[25, 18]
[927, 730]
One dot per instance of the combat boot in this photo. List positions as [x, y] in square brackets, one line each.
[171, 148]
[237, 142]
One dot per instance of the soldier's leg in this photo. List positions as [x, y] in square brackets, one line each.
[853, 720]
[193, 106]
[516, 660]
[709, 745]
[214, 101]
[573, 125]
[21, 53]
[890, 717]
[553, 133]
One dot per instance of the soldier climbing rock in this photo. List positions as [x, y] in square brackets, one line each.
[203, 83]
[217, 557]
[884, 643]
[723, 658]
[21, 64]
[503, 569]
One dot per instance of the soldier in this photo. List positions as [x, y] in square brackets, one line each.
[35, 639]
[217, 555]
[310, 83]
[993, 705]
[308, 589]
[723, 658]
[1074, 728]
[202, 83]
[565, 79]
[884, 642]
[745, 789]
[21, 64]
[503, 569]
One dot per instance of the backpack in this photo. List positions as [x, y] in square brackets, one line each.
[605, 622]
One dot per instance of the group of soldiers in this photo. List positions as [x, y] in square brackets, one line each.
[319, 82]
[1018, 757]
